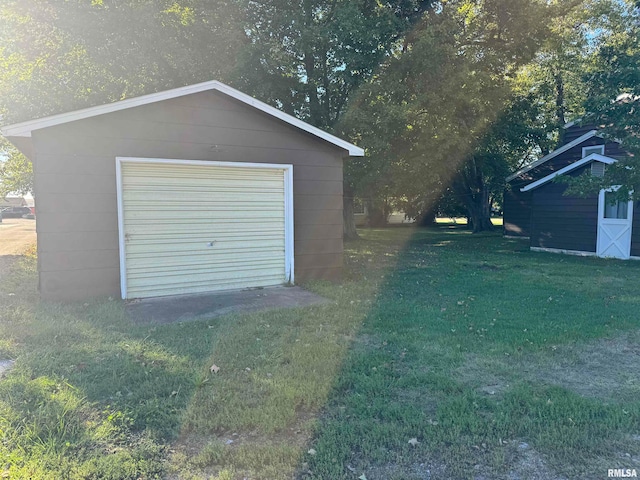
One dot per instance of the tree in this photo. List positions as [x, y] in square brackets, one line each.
[309, 57]
[16, 174]
[424, 117]
[613, 100]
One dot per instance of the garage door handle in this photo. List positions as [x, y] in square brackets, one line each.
[211, 244]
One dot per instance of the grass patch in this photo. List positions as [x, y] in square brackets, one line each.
[499, 362]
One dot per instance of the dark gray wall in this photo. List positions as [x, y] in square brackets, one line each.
[568, 223]
[516, 211]
[76, 186]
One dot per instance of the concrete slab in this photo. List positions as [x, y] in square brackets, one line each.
[185, 308]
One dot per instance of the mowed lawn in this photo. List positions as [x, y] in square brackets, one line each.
[443, 355]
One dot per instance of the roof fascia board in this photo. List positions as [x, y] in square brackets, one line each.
[24, 129]
[555, 153]
[594, 157]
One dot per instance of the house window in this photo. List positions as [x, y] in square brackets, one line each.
[358, 207]
[614, 208]
[597, 169]
[586, 151]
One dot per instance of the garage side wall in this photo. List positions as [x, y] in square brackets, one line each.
[76, 184]
[563, 222]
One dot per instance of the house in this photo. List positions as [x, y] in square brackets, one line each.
[361, 215]
[535, 207]
[191, 190]
[11, 202]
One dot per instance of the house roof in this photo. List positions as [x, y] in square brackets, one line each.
[555, 153]
[24, 129]
[13, 202]
[594, 157]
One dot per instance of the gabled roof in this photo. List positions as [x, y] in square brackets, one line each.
[24, 129]
[553, 154]
[594, 157]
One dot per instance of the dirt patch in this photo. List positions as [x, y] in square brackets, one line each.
[16, 235]
[523, 463]
[605, 369]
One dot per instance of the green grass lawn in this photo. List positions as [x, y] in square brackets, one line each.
[442, 355]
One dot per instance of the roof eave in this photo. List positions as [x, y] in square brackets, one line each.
[24, 129]
[555, 153]
[594, 157]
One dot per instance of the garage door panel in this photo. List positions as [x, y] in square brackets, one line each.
[201, 287]
[192, 228]
[217, 281]
[160, 260]
[153, 250]
[175, 275]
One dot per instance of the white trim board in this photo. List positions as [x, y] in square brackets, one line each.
[553, 154]
[594, 157]
[578, 253]
[288, 206]
[24, 129]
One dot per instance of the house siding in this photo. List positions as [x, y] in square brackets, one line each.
[516, 210]
[563, 222]
[517, 205]
[76, 186]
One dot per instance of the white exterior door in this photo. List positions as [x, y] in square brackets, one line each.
[614, 226]
[195, 227]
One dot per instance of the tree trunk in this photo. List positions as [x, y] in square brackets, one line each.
[479, 211]
[473, 193]
[376, 214]
[427, 219]
[350, 232]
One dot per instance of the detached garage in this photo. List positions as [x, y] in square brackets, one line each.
[192, 190]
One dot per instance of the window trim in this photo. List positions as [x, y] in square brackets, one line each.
[590, 147]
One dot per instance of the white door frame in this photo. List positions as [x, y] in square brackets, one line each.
[288, 206]
[626, 247]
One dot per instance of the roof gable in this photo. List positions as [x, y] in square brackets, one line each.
[594, 157]
[555, 153]
[24, 129]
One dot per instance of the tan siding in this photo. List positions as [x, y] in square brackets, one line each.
[328, 260]
[314, 187]
[78, 183]
[309, 172]
[76, 202]
[78, 242]
[77, 161]
[66, 144]
[318, 202]
[318, 217]
[321, 273]
[88, 164]
[79, 284]
[333, 245]
[80, 260]
[63, 222]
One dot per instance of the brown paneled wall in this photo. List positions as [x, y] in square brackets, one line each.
[76, 185]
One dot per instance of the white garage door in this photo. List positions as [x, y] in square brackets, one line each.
[195, 227]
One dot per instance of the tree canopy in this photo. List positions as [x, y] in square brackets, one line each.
[446, 97]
